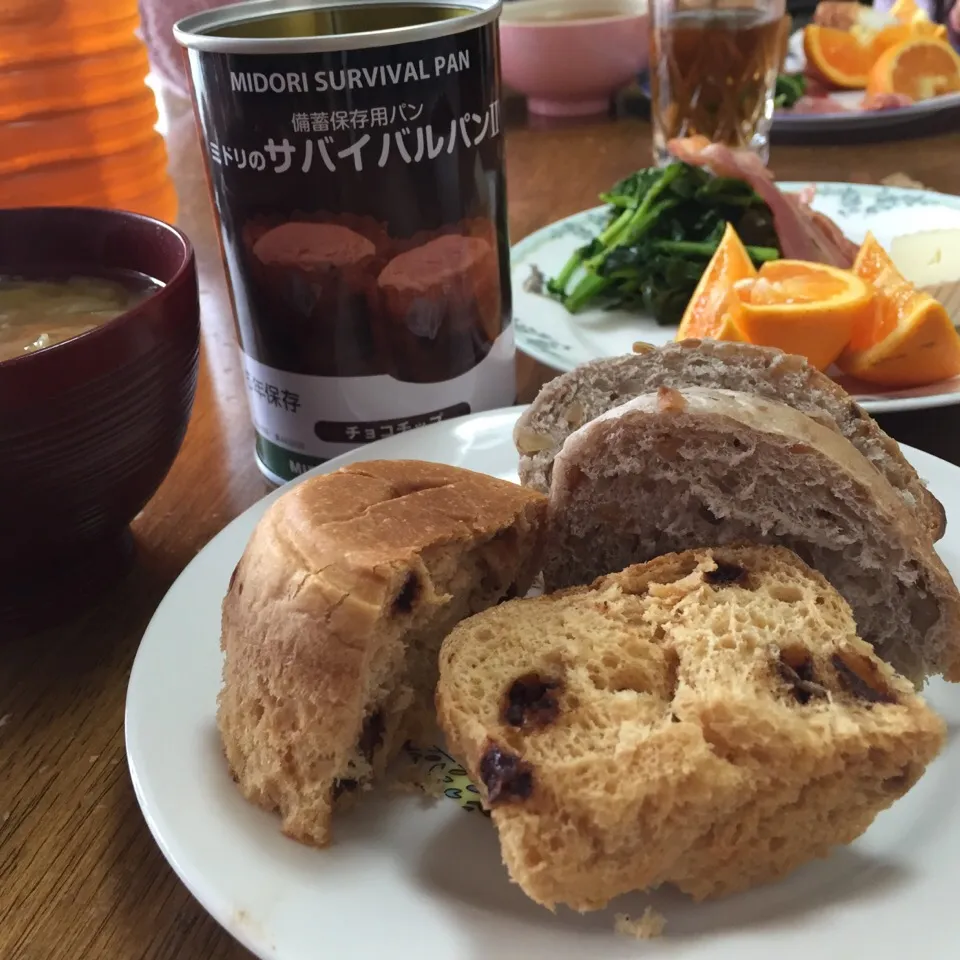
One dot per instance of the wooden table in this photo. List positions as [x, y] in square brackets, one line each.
[80, 876]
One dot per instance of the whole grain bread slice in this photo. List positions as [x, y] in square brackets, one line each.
[678, 469]
[708, 719]
[573, 399]
[334, 617]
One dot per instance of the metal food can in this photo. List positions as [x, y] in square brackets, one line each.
[355, 158]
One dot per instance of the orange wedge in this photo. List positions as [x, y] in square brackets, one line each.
[841, 57]
[927, 28]
[890, 37]
[920, 68]
[916, 20]
[707, 315]
[909, 340]
[906, 11]
[909, 13]
[804, 308]
[899, 33]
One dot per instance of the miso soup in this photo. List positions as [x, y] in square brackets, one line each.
[38, 312]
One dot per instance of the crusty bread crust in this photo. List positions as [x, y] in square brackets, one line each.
[566, 403]
[708, 719]
[335, 611]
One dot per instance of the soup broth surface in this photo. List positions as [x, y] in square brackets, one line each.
[38, 312]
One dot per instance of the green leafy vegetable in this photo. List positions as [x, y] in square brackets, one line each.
[789, 89]
[664, 225]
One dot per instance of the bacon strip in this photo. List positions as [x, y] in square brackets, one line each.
[885, 101]
[808, 105]
[815, 87]
[837, 14]
[803, 234]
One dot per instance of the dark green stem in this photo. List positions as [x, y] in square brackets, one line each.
[614, 228]
[706, 249]
[589, 287]
[558, 285]
[763, 254]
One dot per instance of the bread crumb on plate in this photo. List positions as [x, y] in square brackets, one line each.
[904, 180]
[649, 926]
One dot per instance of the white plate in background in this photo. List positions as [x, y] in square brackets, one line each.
[548, 333]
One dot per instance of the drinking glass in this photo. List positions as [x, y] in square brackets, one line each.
[713, 70]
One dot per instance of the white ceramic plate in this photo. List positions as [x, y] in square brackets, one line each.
[854, 119]
[406, 880]
[549, 334]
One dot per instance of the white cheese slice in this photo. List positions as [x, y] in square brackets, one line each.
[930, 260]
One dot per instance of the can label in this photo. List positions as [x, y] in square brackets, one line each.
[303, 420]
[363, 218]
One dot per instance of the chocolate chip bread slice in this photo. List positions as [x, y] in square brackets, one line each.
[334, 617]
[571, 400]
[678, 469]
[709, 719]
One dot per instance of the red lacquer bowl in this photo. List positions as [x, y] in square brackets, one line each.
[89, 427]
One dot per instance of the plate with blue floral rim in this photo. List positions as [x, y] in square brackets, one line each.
[409, 876]
[849, 118]
[548, 333]
[852, 117]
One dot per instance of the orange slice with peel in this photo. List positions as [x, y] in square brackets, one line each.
[707, 315]
[890, 36]
[910, 16]
[909, 339]
[919, 67]
[898, 33]
[927, 28]
[803, 308]
[909, 12]
[843, 58]
[906, 11]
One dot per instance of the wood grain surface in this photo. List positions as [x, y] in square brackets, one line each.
[80, 876]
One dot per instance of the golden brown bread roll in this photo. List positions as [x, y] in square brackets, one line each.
[709, 719]
[335, 615]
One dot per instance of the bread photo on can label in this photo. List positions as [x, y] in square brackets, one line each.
[708, 719]
[682, 468]
[334, 617]
[575, 398]
[312, 276]
[439, 304]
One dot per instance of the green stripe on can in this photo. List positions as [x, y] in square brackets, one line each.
[281, 464]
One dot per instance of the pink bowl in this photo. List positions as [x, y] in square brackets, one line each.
[572, 67]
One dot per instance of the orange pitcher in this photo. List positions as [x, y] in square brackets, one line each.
[77, 121]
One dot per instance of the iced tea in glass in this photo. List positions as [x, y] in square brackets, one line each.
[713, 69]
